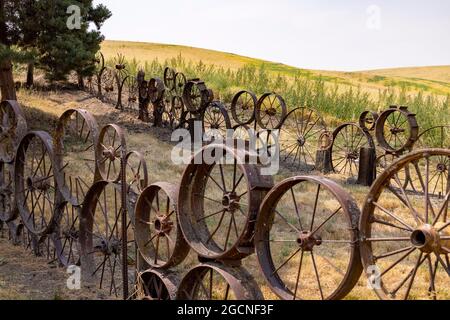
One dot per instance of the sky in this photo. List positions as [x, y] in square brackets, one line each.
[346, 35]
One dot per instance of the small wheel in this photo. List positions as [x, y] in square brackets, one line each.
[367, 120]
[8, 210]
[132, 93]
[177, 112]
[110, 149]
[156, 285]
[75, 139]
[405, 236]
[169, 78]
[397, 130]
[35, 182]
[270, 111]
[348, 139]
[243, 107]
[306, 239]
[215, 121]
[13, 127]
[158, 235]
[109, 83]
[219, 201]
[101, 240]
[136, 172]
[196, 96]
[214, 281]
[300, 137]
[155, 90]
[436, 137]
[180, 82]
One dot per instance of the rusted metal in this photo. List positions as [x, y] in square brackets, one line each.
[368, 120]
[397, 130]
[215, 121]
[196, 96]
[13, 128]
[243, 107]
[158, 235]
[169, 78]
[348, 139]
[178, 112]
[407, 241]
[155, 284]
[300, 228]
[214, 281]
[300, 134]
[270, 111]
[237, 186]
[180, 82]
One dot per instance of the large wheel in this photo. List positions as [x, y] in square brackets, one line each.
[180, 82]
[219, 201]
[132, 94]
[299, 137]
[348, 139]
[169, 78]
[306, 239]
[35, 182]
[405, 236]
[196, 96]
[213, 281]
[243, 107]
[75, 139]
[158, 235]
[270, 111]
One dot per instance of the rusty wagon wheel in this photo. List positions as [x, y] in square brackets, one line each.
[299, 137]
[435, 137]
[367, 120]
[180, 82]
[75, 139]
[13, 127]
[243, 107]
[177, 111]
[307, 241]
[169, 78]
[215, 121]
[136, 172]
[219, 200]
[348, 139]
[214, 281]
[155, 284]
[158, 235]
[196, 96]
[156, 89]
[35, 182]
[270, 111]
[397, 130]
[109, 85]
[8, 210]
[405, 237]
[132, 93]
[101, 239]
[110, 150]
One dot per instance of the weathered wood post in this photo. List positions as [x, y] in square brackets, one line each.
[144, 98]
[367, 166]
[323, 154]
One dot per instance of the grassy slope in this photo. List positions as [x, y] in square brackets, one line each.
[431, 79]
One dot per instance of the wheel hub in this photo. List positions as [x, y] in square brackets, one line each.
[163, 224]
[110, 154]
[441, 168]
[301, 141]
[427, 238]
[37, 183]
[230, 201]
[307, 241]
[110, 247]
[352, 155]
[397, 130]
[271, 112]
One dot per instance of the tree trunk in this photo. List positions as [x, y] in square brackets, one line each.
[8, 89]
[80, 81]
[30, 75]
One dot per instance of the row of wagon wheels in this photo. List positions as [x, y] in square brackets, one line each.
[80, 198]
